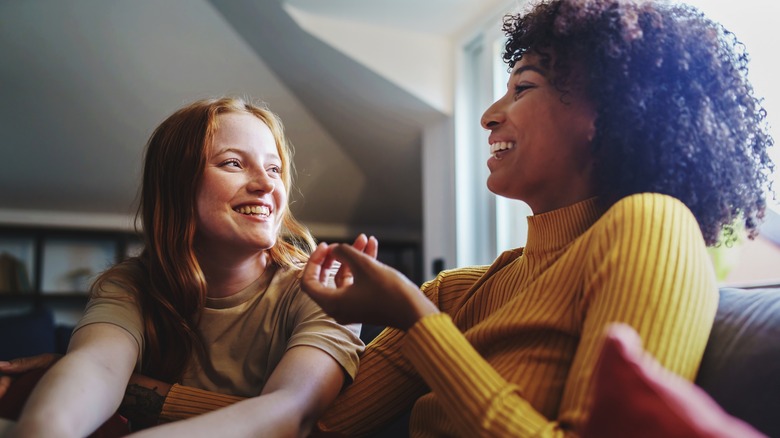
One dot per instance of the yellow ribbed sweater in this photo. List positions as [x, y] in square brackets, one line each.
[514, 349]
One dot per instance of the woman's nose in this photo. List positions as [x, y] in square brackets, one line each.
[493, 116]
[261, 182]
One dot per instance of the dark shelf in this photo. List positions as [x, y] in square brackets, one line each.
[41, 259]
[69, 258]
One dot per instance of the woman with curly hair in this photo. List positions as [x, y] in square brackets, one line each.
[632, 132]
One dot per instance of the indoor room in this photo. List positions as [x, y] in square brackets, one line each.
[381, 103]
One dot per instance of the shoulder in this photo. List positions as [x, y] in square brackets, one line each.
[450, 285]
[121, 281]
[648, 210]
[648, 220]
[646, 203]
[469, 274]
[458, 275]
[284, 287]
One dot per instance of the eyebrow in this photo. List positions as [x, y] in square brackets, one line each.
[226, 150]
[243, 153]
[526, 68]
[216, 153]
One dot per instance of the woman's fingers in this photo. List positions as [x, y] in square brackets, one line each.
[367, 245]
[343, 276]
[312, 272]
[355, 259]
[22, 365]
[372, 247]
[5, 382]
[360, 242]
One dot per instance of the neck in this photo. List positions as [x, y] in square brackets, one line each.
[226, 277]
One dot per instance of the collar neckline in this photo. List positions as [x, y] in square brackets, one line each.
[557, 228]
[260, 284]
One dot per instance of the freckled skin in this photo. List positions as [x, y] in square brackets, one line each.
[243, 168]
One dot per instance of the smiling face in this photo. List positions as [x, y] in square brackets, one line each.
[540, 141]
[241, 199]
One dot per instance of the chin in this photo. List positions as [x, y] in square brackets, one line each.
[491, 185]
[266, 244]
[504, 192]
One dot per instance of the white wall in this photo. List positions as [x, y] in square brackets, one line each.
[439, 217]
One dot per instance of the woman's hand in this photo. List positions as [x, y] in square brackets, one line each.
[368, 245]
[8, 369]
[377, 294]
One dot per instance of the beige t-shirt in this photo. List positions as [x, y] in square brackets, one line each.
[245, 335]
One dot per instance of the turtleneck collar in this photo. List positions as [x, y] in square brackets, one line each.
[556, 229]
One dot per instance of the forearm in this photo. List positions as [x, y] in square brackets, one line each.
[480, 401]
[268, 416]
[72, 399]
[303, 384]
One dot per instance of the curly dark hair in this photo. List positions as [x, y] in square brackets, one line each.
[676, 113]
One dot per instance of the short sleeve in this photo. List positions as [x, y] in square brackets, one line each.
[314, 328]
[113, 304]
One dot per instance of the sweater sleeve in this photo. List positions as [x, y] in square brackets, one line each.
[183, 402]
[648, 268]
[476, 397]
[385, 387]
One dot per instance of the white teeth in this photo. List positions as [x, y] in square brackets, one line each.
[262, 210]
[501, 146]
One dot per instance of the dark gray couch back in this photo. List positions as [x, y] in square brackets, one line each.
[741, 365]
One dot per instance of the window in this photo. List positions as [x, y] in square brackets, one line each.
[486, 224]
[753, 22]
[754, 262]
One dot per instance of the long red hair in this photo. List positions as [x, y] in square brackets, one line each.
[166, 278]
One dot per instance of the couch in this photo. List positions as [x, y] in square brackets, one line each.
[740, 370]
[741, 365]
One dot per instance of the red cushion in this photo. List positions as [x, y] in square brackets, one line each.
[635, 396]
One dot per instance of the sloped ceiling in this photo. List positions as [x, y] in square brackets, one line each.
[85, 82]
[378, 124]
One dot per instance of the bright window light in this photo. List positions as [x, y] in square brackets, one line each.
[754, 23]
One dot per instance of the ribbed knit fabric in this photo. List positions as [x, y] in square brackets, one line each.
[514, 350]
[185, 402]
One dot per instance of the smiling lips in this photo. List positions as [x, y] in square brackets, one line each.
[254, 210]
[500, 146]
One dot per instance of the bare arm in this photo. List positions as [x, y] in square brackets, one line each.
[304, 383]
[84, 388]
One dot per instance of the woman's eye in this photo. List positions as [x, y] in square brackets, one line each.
[275, 169]
[231, 163]
[519, 89]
